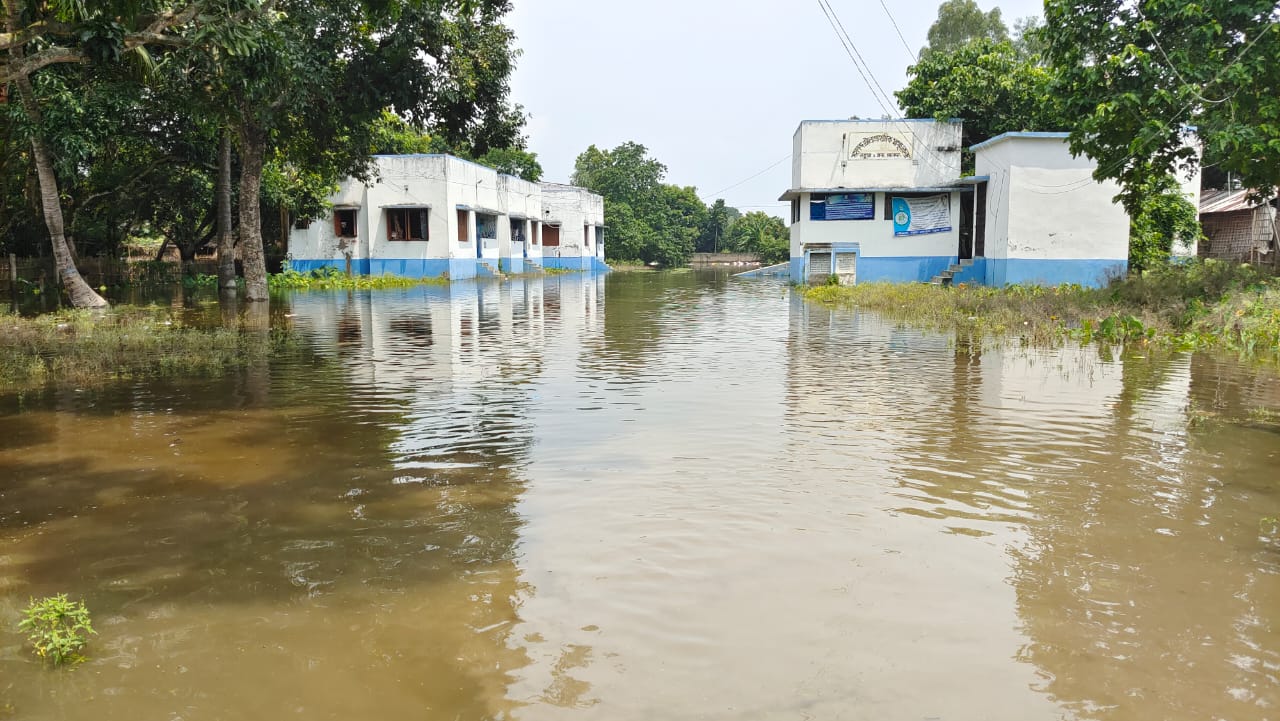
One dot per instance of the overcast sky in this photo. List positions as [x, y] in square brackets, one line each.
[713, 88]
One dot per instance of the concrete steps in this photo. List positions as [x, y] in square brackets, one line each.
[946, 276]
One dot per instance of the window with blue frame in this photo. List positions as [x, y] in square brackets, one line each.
[842, 206]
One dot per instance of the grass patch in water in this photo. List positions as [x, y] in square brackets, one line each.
[85, 347]
[1200, 304]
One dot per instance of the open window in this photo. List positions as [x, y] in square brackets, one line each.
[408, 224]
[517, 230]
[344, 222]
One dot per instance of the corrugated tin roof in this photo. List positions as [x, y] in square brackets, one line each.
[1225, 201]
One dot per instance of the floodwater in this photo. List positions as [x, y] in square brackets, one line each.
[649, 496]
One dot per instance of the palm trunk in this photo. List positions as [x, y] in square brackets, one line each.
[253, 142]
[81, 295]
[226, 239]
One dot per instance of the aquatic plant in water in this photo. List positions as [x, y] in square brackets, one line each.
[57, 628]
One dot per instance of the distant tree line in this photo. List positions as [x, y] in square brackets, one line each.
[1129, 80]
[650, 221]
[218, 123]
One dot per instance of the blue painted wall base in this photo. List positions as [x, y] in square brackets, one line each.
[588, 263]
[1090, 273]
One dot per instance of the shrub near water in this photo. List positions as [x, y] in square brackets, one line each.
[1193, 305]
[57, 628]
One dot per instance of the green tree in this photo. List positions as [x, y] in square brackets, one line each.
[649, 221]
[1135, 75]
[763, 234]
[513, 161]
[42, 36]
[961, 22]
[715, 231]
[1164, 219]
[988, 84]
[1028, 37]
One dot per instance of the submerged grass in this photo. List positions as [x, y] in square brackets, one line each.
[86, 347]
[1194, 305]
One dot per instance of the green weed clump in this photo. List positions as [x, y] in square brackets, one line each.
[330, 278]
[1191, 305]
[57, 627]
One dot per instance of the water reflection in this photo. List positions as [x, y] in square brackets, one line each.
[656, 495]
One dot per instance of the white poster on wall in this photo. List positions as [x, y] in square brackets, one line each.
[920, 216]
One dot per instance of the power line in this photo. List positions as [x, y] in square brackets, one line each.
[873, 85]
[780, 161]
[910, 52]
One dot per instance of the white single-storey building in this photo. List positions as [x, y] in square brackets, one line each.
[573, 228]
[883, 200]
[1047, 221]
[875, 200]
[437, 215]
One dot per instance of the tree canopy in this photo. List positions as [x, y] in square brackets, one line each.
[1135, 76]
[960, 22]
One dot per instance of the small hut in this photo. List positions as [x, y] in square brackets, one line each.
[1237, 228]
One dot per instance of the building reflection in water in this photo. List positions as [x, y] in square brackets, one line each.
[1137, 583]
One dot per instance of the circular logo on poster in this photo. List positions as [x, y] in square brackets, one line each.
[901, 218]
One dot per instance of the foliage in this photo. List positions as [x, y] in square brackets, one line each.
[513, 161]
[961, 22]
[648, 220]
[988, 84]
[1165, 219]
[762, 234]
[1134, 75]
[330, 278]
[715, 231]
[57, 628]
[1198, 304]
[1028, 37]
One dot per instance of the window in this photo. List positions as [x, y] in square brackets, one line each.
[550, 235]
[842, 206]
[586, 236]
[464, 233]
[517, 230]
[487, 226]
[795, 210]
[407, 223]
[344, 222]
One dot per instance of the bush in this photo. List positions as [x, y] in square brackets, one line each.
[57, 628]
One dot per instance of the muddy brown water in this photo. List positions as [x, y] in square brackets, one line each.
[649, 496]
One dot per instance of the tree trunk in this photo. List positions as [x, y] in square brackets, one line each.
[226, 237]
[81, 295]
[253, 142]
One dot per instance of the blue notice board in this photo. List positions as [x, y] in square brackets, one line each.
[844, 206]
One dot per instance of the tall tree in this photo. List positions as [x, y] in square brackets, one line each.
[649, 221]
[715, 231]
[307, 81]
[763, 234]
[960, 22]
[988, 84]
[1135, 75]
[40, 34]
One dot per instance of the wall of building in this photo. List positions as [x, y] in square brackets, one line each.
[1048, 221]
[886, 157]
[579, 215]
[834, 153]
[883, 256]
[456, 194]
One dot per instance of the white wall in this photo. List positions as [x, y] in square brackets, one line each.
[572, 208]
[1044, 204]
[823, 154]
[442, 183]
[875, 237]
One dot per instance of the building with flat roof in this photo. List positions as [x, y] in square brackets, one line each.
[437, 215]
